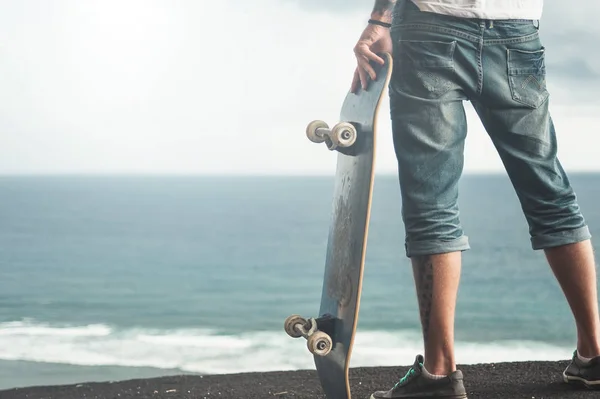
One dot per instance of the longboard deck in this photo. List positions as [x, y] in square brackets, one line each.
[348, 232]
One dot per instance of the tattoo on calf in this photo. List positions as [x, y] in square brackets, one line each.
[424, 279]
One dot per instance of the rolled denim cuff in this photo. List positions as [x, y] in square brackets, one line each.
[561, 238]
[435, 247]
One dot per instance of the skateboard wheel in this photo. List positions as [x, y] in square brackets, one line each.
[313, 133]
[343, 134]
[290, 325]
[319, 344]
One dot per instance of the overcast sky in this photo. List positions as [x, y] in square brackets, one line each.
[187, 86]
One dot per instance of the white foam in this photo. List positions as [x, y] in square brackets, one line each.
[206, 351]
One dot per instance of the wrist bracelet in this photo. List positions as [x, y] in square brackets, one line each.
[380, 23]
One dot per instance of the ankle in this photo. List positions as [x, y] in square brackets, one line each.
[588, 351]
[440, 366]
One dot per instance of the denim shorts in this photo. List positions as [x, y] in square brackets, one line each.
[440, 62]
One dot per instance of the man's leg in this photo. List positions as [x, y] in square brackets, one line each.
[437, 279]
[557, 227]
[575, 269]
[429, 130]
[429, 136]
[514, 108]
[429, 127]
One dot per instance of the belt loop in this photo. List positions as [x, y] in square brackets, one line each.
[538, 24]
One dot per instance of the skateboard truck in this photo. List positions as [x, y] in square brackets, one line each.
[316, 331]
[342, 134]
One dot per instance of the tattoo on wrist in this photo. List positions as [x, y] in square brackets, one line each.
[383, 9]
[424, 279]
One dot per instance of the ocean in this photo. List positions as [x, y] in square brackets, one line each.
[109, 278]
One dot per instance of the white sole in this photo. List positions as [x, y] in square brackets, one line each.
[567, 379]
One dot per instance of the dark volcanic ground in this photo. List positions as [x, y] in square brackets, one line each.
[527, 380]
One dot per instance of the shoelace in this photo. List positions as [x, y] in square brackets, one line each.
[406, 377]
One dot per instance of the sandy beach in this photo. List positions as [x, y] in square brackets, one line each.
[530, 380]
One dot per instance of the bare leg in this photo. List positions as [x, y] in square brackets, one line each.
[575, 269]
[437, 279]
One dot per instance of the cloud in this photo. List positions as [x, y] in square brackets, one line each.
[569, 55]
[183, 86]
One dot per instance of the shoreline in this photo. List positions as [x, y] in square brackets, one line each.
[513, 380]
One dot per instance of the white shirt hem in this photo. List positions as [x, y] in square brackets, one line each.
[495, 14]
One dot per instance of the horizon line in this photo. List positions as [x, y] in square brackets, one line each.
[249, 175]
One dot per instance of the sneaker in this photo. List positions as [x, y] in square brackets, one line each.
[415, 385]
[579, 372]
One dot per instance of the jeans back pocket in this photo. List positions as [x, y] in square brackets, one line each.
[527, 76]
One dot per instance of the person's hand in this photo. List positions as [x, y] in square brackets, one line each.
[374, 39]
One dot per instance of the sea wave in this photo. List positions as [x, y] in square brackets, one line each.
[207, 351]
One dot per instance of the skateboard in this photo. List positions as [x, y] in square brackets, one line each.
[330, 336]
